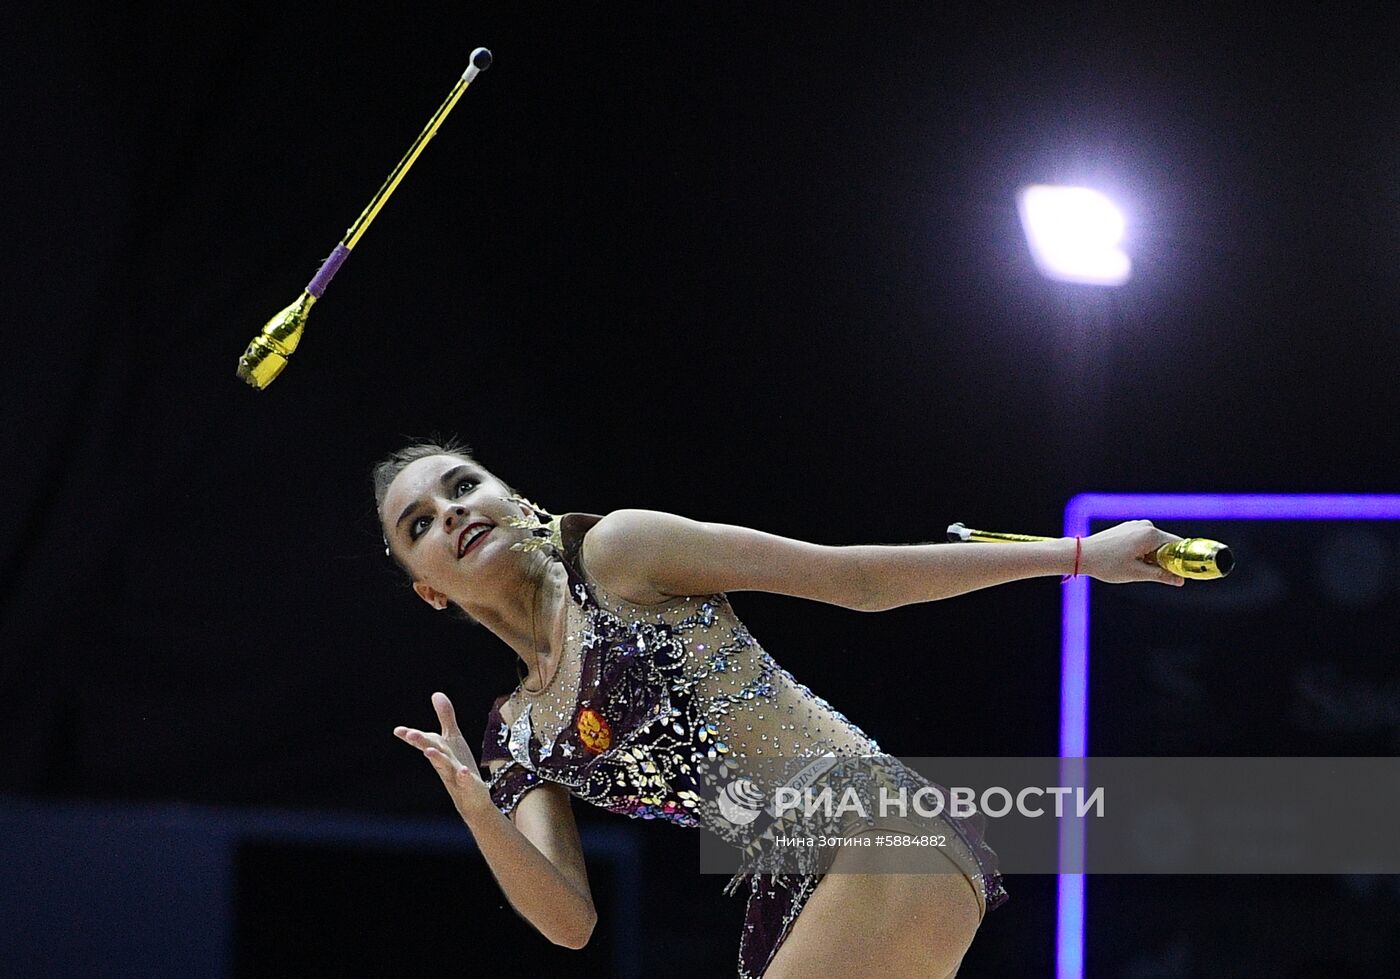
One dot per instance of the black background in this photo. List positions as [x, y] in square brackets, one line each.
[756, 264]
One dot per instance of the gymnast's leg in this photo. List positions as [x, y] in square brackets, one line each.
[889, 924]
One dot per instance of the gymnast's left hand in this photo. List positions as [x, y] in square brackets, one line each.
[451, 757]
[1127, 553]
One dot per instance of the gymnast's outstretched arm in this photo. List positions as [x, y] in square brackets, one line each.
[647, 556]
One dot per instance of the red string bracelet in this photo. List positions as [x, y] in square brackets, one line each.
[1075, 573]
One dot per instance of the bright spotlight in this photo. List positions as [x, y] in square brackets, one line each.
[1074, 234]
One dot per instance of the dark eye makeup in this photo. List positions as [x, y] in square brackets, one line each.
[421, 524]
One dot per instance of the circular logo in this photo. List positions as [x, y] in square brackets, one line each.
[741, 802]
[593, 730]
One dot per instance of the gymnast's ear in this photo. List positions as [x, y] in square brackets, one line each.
[430, 595]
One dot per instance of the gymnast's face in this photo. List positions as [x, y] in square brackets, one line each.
[443, 517]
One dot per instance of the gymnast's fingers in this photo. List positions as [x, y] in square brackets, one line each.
[409, 734]
[446, 715]
[1168, 578]
[441, 761]
[424, 740]
[1165, 538]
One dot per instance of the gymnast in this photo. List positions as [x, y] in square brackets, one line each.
[642, 693]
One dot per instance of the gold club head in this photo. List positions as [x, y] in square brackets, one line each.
[267, 355]
[1197, 557]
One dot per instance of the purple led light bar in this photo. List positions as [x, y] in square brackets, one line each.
[1074, 641]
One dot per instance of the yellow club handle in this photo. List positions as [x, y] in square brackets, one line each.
[1190, 557]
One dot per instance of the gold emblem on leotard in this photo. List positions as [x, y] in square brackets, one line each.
[593, 730]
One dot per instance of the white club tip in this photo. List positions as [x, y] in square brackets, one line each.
[480, 60]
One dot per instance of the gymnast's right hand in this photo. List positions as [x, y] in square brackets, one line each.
[1126, 552]
[451, 758]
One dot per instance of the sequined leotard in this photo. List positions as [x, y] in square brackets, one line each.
[655, 710]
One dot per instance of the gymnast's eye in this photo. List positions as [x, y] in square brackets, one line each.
[415, 529]
[470, 483]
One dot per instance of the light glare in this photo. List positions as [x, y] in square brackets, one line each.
[1074, 234]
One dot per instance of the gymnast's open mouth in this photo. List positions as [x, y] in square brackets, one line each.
[471, 535]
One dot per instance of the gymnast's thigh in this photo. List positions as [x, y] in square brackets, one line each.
[895, 924]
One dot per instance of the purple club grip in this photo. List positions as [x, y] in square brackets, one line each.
[327, 270]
